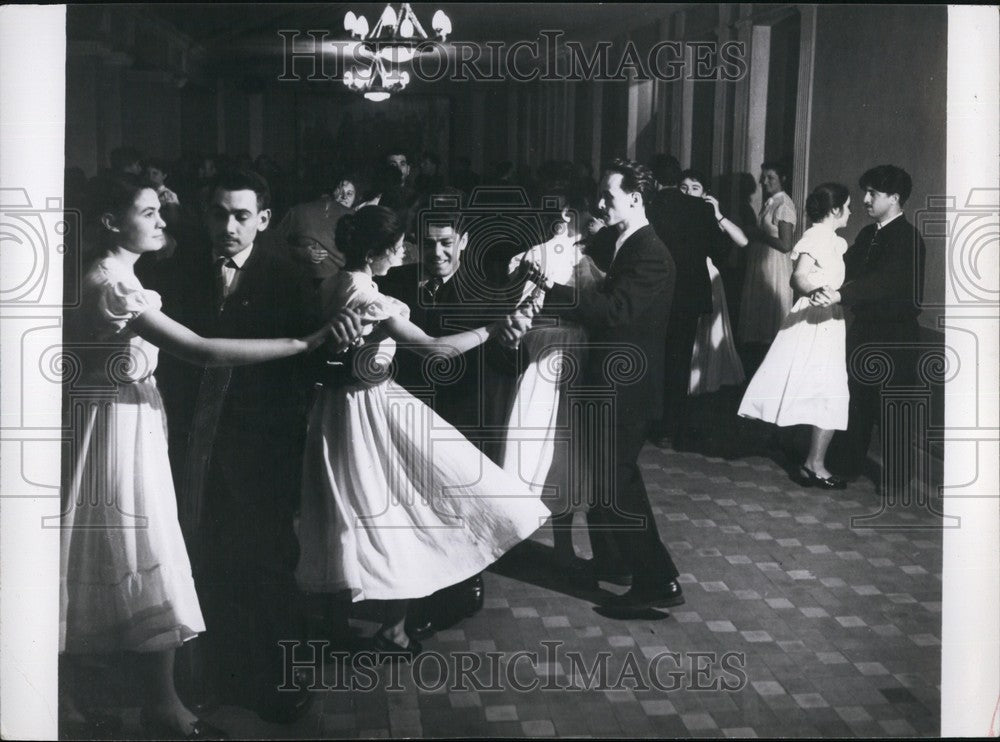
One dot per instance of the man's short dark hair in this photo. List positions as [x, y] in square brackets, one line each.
[666, 169]
[636, 177]
[397, 150]
[888, 179]
[243, 180]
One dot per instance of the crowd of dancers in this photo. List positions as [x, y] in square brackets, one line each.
[340, 424]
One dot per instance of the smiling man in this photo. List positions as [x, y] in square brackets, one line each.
[446, 297]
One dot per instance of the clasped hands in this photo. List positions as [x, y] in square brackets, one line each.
[824, 297]
[511, 328]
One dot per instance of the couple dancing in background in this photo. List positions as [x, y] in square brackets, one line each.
[804, 379]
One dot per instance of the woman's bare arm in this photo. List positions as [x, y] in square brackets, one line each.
[176, 339]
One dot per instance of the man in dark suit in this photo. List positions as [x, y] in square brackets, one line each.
[245, 430]
[882, 288]
[688, 228]
[627, 316]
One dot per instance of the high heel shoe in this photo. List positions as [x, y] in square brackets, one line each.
[200, 730]
[387, 649]
[812, 479]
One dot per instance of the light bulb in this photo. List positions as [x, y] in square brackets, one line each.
[349, 20]
[389, 17]
[442, 24]
[406, 28]
[361, 27]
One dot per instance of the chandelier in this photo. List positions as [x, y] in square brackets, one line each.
[393, 41]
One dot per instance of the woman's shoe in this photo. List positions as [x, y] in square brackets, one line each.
[812, 479]
[388, 649]
[200, 730]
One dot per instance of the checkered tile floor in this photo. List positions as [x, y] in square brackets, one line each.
[827, 630]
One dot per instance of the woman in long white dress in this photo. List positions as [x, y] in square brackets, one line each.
[534, 450]
[803, 379]
[125, 577]
[714, 362]
[396, 503]
[767, 296]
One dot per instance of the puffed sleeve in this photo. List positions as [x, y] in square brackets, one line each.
[806, 246]
[785, 212]
[380, 307]
[122, 300]
[363, 296]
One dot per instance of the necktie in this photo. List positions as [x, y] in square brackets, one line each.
[431, 289]
[872, 245]
[222, 281]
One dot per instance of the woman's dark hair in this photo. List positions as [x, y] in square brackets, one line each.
[782, 167]
[111, 193]
[824, 199]
[371, 231]
[695, 175]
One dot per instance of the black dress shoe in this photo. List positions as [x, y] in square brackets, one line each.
[420, 629]
[809, 478]
[474, 594]
[200, 730]
[637, 598]
[387, 649]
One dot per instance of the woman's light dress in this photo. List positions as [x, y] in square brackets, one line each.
[125, 576]
[396, 503]
[803, 379]
[767, 295]
[545, 443]
[715, 362]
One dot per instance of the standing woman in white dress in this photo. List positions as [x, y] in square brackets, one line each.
[714, 362]
[125, 580]
[396, 503]
[803, 379]
[555, 354]
[767, 296]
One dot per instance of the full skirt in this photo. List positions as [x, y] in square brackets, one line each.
[767, 294]
[715, 362]
[126, 579]
[803, 379]
[546, 433]
[396, 503]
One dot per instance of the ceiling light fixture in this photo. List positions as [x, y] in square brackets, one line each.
[393, 41]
